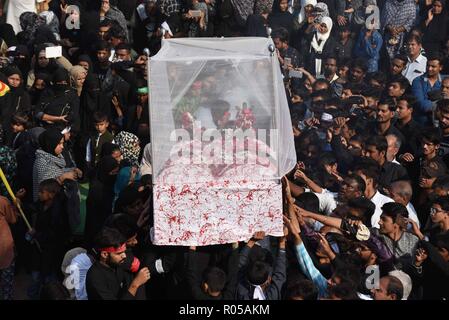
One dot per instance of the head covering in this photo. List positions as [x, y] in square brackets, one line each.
[302, 13]
[105, 166]
[108, 148]
[129, 145]
[8, 163]
[75, 73]
[8, 35]
[321, 10]
[60, 75]
[51, 20]
[85, 57]
[319, 40]
[10, 70]
[433, 169]
[68, 257]
[49, 139]
[145, 164]
[405, 280]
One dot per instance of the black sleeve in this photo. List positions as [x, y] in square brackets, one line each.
[279, 276]
[232, 276]
[193, 277]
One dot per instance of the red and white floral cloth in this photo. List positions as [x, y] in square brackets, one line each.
[225, 204]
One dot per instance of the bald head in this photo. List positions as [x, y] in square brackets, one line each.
[394, 144]
[401, 192]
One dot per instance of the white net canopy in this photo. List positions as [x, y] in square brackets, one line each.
[218, 111]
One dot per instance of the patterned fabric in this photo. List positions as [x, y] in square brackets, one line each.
[262, 5]
[7, 282]
[168, 7]
[8, 164]
[46, 166]
[129, 146]
[243, 8]
[397, 14]
[309, 269]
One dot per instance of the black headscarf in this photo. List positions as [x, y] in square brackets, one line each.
[60, 75]
[85, 57]
[8, 35]
[9, 71]
[105, 166]
[108, 148]
[49, 139]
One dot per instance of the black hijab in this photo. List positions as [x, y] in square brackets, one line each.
[105, 166]
[49, 139]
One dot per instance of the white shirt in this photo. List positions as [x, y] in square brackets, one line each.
[321, 76]
[327, 200]
[412, 213]
[415, 68]
[379, 200]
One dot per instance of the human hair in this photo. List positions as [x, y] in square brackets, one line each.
[349, 274]
[258, 272]
[441, 182]
[50, 185]
[103, 45]
[431, 135]
[281, 34]
[116, 31]
[304, 289]
[308, 201]
[321, 81]
[105, 23]
[23, 119]
[365, 205]
[380, 142]
[443, 202]
[402, 81]
[369, 168]
[359, 63]
[215, 279]
[414, 37]
[355, 88]
[108, 237]
[397, 140]
[401, 57]
[361, 186]
[371, 92]
[123, 46]
[378, 76]
[436, 56]
[124, 223]
[343, 291]
[410, 99]
[358, 137]
[403, 188]
[394, 210]
[389, 102]
[443, 106]
[100, 116]
[395, 287]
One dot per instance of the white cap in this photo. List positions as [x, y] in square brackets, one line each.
[66, 130]
[326, 117]
[405, 280]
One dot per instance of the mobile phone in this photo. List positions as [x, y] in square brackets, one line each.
[195, 13]
[287, 61]
[295, 74]
[53, 52]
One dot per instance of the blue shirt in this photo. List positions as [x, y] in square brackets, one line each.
[420, 87]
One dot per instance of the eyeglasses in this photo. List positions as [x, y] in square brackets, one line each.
[434, 211]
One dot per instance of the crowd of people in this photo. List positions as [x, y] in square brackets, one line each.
[366, 209]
